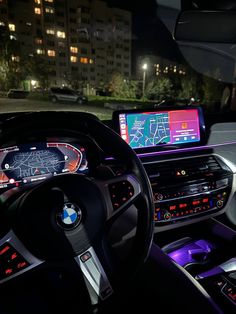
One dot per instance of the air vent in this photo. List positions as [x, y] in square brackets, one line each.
[183, 168]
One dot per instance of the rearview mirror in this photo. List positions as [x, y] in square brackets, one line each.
[206, 26]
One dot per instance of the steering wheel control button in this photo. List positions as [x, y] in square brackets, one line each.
[85, 257]
[120, 192]
[70, 216]
[11, 261]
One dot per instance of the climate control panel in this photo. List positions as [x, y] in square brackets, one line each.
[182, 207]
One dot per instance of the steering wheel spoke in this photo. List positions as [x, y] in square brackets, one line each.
[15, 259]
[94, 274]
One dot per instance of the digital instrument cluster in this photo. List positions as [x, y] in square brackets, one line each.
[28, 163]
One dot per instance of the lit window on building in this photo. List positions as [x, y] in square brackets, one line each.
[12, 27]
[84, 60]
[37, 1]
[73, 59]
[50, 31]
[91, 61]
[51, 53]
[73, 49]
[15, 58]
[39, 52]
[51, 1]
[38, 41]
[61, 34]
[49, 10]
[37, 10]
[2, 23]
[28, 23]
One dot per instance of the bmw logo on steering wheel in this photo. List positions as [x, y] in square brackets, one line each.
[70, 216]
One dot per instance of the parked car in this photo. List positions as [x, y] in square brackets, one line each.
[17, 93]
[65, 94]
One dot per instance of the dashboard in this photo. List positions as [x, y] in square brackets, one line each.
[192, 179]
[28, 163]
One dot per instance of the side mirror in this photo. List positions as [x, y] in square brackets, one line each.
[206, 26]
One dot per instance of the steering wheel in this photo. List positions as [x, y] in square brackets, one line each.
[68, 216]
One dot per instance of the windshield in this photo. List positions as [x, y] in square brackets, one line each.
[100, 56]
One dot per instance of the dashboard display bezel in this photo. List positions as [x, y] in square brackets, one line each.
[202, 129]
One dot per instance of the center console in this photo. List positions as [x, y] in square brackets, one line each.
[187, 188]
[191, 184]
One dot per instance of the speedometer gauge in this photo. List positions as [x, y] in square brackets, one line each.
[29, 163]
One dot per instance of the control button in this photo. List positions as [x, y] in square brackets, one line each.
[8, 271]
[230, 292]
[219, 204]
[120, 192]
[219, 283]
[158, 196]
[167, 216]
[85, 257]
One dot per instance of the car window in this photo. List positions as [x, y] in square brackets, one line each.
[119, 54]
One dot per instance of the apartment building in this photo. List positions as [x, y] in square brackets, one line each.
[83, 41]
[157, 65]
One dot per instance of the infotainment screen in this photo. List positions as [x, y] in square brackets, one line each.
[142, 129]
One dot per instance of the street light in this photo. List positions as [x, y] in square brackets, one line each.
[144, 67]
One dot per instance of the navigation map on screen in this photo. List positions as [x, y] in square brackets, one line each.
[147, 129]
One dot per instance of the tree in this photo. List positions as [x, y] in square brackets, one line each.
[212, 89]
[120, 87]
[37, 68]
[159, 89]
[189, 87]
[11, 70]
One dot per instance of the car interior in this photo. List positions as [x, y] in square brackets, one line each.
[132, 214]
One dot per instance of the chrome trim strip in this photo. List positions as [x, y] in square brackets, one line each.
[95, 274]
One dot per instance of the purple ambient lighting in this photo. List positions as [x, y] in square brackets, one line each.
[183, 150]
[179, 150]
[192, 253]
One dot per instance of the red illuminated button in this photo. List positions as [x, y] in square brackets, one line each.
[183, 205]
[205, 200]
[21, 265]
[196, 202]
[8, 271]
[14, 255]
[85, 257]
[172, 207]
[5, 249]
